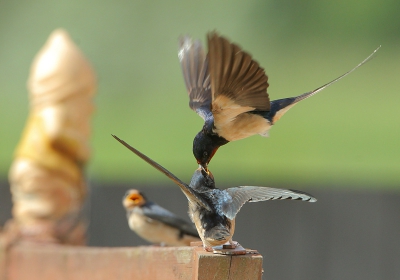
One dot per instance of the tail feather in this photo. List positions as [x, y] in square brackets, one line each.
[281, 106]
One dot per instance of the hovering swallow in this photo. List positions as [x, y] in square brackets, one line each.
[228, 89]
[156, 224]
[212, 210]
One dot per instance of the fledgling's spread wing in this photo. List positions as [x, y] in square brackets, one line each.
[194, 66]
[243, 194]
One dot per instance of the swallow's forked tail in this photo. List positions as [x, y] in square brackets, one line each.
[281, 106]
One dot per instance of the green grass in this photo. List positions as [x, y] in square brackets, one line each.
[346, 135]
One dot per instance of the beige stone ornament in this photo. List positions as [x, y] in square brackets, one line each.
[47, 176]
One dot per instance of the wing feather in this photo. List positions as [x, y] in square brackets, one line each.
[194, 64]
[241, 195]
[190, 194]
[236, 75]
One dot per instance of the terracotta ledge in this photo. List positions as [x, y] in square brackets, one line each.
[38, 261]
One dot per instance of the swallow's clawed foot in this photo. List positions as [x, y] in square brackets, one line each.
[231, 248]
[208, 249]
[231, 245]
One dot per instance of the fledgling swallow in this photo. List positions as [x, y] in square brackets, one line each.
[228, 89]
[156, 224]
[212, 210]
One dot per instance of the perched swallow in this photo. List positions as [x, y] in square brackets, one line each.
[228, 89]
[156, 224]
[212, 210]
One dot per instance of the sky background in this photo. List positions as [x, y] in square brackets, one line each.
[347, 135]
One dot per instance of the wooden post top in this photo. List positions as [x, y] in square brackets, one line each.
[46, 261]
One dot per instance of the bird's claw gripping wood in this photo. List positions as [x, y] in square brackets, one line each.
[232, 248]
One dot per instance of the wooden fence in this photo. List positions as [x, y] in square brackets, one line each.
[33, 261]
[349, 233]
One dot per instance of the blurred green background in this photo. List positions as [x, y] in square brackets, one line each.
[347, 135]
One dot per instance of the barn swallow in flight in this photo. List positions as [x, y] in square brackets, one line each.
[228, 89]
[156, 224]
[212, 210]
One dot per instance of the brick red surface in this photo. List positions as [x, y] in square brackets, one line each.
[34, 261]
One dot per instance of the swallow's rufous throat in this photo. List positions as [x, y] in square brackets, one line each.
[212, 210]
[156, 224]
[228, 89]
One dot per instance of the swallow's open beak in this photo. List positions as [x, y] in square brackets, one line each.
[204, 168]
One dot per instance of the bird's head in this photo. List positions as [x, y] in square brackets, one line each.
[132, 199]
[204, 148]
[202, 180]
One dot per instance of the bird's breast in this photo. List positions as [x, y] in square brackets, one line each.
[157, 232]
[214, 229]
[243, 126]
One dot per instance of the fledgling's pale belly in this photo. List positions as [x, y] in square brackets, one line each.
[157, 232]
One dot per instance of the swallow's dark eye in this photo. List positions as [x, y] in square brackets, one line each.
[205, 154]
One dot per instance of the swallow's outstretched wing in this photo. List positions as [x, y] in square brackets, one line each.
[238, 196]
[158, 213]
[194, 64]
[235, 76]
[189, 193]
[281, 106]
[238, 87]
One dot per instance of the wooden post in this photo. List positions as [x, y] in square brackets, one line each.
[3, 257]
[47, 179]
[46, 261]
